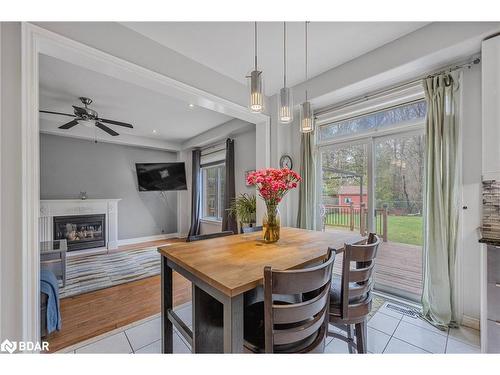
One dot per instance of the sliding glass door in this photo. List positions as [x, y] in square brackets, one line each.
[371, 179]
[399, 183]
[344, 196]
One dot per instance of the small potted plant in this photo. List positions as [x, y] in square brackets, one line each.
[244, 207]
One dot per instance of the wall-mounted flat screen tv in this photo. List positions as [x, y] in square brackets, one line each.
[161, 176]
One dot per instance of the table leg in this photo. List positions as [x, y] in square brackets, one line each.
[208, 334]
[233, 324]
[217, 326]
[166, 304]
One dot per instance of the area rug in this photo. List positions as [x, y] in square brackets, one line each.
[94, 272]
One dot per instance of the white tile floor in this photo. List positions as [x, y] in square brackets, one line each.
[388, 332]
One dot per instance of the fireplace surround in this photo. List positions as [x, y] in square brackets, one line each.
[72, 209]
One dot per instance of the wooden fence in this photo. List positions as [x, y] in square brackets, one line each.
[354, 218]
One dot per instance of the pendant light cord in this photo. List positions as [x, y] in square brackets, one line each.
[255, 27]
[284, 54]
[306, 53]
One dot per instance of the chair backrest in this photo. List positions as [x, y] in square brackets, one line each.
[357, 281]
[301, 326]
[200, 237]
[251, 229]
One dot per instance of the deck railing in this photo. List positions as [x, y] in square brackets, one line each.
[355, 217]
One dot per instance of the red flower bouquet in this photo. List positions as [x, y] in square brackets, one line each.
[273, 184]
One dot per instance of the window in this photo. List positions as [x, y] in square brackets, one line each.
[212, 200]
[372, 122]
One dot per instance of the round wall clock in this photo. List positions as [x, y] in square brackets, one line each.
[286, 162]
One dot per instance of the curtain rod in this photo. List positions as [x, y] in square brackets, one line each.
[474, 60]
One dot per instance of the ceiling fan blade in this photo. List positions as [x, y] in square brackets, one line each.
[119, 123]
[69, 125]
[106, 129]
[58, 113]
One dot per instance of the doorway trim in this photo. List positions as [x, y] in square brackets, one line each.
[36, 40]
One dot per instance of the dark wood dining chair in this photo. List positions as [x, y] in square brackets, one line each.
[275, 326]
[201, 237]
[250, 229]
[350, 295]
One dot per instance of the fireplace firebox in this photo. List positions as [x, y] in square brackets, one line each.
[81, 231]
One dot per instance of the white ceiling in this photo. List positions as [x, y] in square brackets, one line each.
[227, 47]
[61, 84]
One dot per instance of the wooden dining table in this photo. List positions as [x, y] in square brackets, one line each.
[222, 270]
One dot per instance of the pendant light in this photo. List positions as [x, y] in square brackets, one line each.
[255, 83]
[285, 108]
[306, 111]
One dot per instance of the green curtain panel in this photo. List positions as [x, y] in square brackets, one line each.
[441, 199]
[305, 217]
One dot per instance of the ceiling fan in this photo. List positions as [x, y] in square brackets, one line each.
[89, 115]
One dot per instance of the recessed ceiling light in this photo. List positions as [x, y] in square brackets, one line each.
[191, 105]
[154, 131]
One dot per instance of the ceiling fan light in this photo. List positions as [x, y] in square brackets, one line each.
[256, 85]
[285, 109]
[306, 118]
[87, 123]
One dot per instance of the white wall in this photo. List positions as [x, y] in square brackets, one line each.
[472, 191]
[11, 203]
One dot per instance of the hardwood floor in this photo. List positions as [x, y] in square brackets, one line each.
[91, 314]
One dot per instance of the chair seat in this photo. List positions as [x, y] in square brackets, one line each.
[254, 332]
[335, 295]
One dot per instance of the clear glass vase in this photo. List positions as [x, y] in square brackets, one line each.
[271, 224]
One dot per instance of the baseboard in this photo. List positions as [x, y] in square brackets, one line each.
[470, 322]
[131, 241]
[87, 252]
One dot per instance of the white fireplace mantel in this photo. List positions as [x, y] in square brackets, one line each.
[68, 207]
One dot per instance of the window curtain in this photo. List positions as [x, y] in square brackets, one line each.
[305, 217]
[229, 221]
[441, 199]
[194, 229]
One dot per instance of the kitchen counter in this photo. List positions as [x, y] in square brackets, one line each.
[489, 241]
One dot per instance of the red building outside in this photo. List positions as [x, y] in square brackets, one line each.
[351, 194]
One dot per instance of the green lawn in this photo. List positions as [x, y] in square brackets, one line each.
[402, 229]
[405, 229]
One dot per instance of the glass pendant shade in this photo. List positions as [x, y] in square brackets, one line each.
[306, 118]
[256, 86]
[285, 109]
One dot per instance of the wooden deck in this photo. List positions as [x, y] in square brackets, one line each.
[398, 269]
